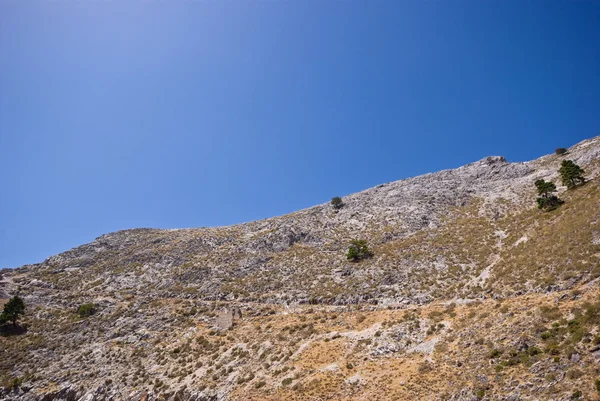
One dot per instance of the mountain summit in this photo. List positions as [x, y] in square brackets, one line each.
[469, 292]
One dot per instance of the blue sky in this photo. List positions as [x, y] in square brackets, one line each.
[122, 114]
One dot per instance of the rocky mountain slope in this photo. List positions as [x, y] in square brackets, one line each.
[472, 293]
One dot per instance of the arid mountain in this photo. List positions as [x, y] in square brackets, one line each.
[472, 293]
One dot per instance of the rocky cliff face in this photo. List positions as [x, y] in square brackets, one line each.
[469, 280]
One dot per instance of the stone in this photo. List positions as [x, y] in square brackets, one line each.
[224, 320]
[227, 318]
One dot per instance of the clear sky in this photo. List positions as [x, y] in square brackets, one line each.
[122, 114]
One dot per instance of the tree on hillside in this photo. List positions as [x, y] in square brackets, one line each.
[358, 250]
[560, 151]
[571, 174]
[546, 199]
[337, 202]
[13, 309]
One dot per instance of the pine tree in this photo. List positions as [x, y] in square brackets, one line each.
[571, 174]
[13, 309]
[547, 200]
[545, 188]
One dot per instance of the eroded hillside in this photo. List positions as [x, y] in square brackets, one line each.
[472, 293]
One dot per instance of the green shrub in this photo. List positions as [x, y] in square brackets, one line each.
[574, 374]
[495, 353]
[287, 381]
[591, 313]
[337, 202]
[358, 250]
[553, 349]
[14, 383]
[550, 312]
[86, 310]
[560, 151]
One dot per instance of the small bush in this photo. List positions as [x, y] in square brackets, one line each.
[560, 151]
[14, 383]
[358, 250]
[424, 367]
[287, 381]
[574, 374]
[86, 310]
[337, 202]
[550, 312]
[553, 349]
[495, 353]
